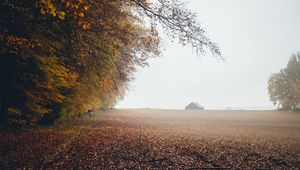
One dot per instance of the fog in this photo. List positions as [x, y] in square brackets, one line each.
[256, 39]
[237, 125]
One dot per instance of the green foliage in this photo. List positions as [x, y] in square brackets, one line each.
[284, 87]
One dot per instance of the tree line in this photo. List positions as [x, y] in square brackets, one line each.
[60, 58]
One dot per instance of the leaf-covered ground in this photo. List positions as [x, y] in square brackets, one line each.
[160, 139]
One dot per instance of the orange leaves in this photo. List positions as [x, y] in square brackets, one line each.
[47, 7]
[86, 26]
[80, 1]
[81, 14]
[86, 8]
[60, 8]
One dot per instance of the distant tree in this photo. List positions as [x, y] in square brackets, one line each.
[284, 87]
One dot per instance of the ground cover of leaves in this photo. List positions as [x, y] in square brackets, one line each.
[161, 139]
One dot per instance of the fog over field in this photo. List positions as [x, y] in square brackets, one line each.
[252, 125]
[256, 39]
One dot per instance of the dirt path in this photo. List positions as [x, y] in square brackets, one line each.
[163, 139]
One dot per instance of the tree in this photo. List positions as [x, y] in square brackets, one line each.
[60, 58]
[284, 86]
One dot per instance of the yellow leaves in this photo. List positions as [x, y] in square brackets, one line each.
[53, 12]
[68, 4]
[81, 14]
[58, 75]
[43, 11]
[86, 8]
[61, 15]
[46, 1]
[60, 8]
[50, 6]
[86, 26]
[47, 7]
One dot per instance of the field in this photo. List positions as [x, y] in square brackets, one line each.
[160, 139]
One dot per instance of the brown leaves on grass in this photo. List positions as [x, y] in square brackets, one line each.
[26, 149]
[130, 143]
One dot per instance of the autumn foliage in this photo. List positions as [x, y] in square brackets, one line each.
[59, 58]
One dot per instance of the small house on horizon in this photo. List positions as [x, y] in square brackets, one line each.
[194, 106]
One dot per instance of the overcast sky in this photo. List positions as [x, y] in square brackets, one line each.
[256, 38]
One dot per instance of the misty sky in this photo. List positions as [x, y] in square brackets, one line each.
[256, 38]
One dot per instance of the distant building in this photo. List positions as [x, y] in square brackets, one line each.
[298, 107]
[194, 106]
